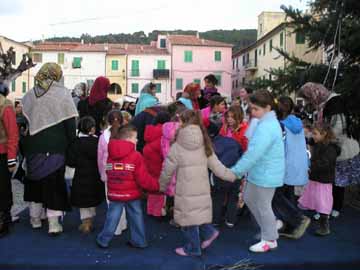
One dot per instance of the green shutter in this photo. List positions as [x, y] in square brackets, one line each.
[271, 45]
[161, 64]
[61, 58]
[300, 38]
[281, 39]
[162, 43]
[114, 65]
[135, 68]
[179, 84]
[77, 62]
[24, 87]
[217, 56]
[198, 81]
[13, 86]
[188, 56]
[218, 77]
[134, 88]
[264, 48]
[158, 88]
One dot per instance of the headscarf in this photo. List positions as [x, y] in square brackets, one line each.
[47, 74]
[192, 89]
[99, 90]
[316, 93]
[49, 102]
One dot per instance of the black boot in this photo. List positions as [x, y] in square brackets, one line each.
[324, 228]
[4, 225]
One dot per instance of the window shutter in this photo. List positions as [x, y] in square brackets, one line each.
[114, 65]
[134, 88]
[217, 56]
[179, 84]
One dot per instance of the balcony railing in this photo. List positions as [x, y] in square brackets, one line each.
[161, 73]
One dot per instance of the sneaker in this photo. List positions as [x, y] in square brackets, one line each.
[181, 252]
[229, 225]
[55, 227]
[279, 224]
[335, 213]
[35, 222]
[263, 246]
[205, 244]
[316, 216]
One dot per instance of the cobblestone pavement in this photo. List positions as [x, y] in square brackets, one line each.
[18, 195]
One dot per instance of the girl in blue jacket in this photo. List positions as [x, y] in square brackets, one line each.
[264, 161]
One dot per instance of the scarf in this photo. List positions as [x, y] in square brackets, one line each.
[209, 92]
[48, 73]
[317, 94]
[99, 90]
[44, 109]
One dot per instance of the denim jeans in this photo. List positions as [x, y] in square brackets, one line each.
[193, 236]
[134, 213]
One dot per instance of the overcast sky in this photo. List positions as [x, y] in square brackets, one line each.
[35, 19]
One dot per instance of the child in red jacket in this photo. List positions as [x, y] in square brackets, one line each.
[127, 175]
[154, 160]
[235, 126]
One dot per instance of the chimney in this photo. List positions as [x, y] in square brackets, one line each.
[197, 34]
[82, 41]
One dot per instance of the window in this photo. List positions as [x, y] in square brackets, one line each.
[61, 58]
[264, 48]
[218, 77]
[270, 45]
[281, 39]
[13, 86]
[247, 58]
[261, 28]
[24, 87]
[270, 78]
[236, 83]
[264, 78]
[259, 52]
[158, 88]
[300, 38]
[135, 72]
[76, 62]
[244, 62]
[161, 64]
[237, 63]
[243, 81]
[134, 88]
[114, 65]
[217, 56]
[233, 63]
[37, 57]
[179, 84]
[188, 56]
[233, 84]
[198, 81]
[163, 43]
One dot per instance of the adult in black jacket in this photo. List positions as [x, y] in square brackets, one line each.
[87, 190]
[97, 105]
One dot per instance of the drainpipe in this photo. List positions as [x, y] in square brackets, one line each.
[126, 74]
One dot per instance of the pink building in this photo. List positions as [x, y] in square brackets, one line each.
[193, 58]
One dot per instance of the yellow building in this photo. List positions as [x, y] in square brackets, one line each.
[255, 61]
[116, 63]
[22, 84]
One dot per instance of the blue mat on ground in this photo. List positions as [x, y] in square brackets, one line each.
[26, 248]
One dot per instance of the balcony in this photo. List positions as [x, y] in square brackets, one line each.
[251, 65]
[161, 73]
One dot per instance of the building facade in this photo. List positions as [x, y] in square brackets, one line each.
[193, 58]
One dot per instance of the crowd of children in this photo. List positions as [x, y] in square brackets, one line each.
[198, 161]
